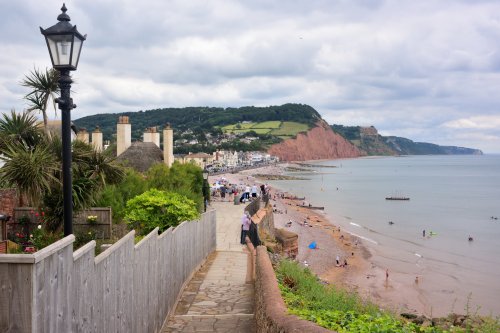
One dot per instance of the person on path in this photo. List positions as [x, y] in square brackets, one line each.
[247, 192]
[254, 191]
[337, 259]
[245, 227]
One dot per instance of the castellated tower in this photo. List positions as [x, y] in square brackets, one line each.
[97, 139]
[83, 135]
[151, 135]
[168, 145]
[123, 135]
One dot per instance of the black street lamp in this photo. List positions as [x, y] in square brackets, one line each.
[206, 192]
[65, 44]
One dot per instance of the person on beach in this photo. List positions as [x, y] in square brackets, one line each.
[387, 274]
[423, 233]
[337, 259]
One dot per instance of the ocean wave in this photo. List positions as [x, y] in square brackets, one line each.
[364, 238]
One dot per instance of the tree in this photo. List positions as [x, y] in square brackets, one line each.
[91, 171]
[29, 164]
[161, 209]
[32, 164]
[44, 88]
[19, 128]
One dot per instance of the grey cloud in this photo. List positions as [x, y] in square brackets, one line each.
[405, 67]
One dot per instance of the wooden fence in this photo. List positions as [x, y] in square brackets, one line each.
[102, 227]
[127, 288]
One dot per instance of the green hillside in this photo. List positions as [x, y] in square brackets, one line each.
[206, 126]
[368, 140]
[281, 129]
[202, 118]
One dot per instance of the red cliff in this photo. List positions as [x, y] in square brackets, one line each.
[318, 143]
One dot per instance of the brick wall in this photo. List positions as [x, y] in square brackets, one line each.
[8, 199]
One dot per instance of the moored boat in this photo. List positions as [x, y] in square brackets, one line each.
[397, 198]
[312, 207]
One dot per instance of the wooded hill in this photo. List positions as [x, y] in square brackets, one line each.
[199, 118]
[368, 140]
[214, 120]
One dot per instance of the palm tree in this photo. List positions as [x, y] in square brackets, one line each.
[33, 166]
[44, 87]
[28, 164]
[19, 129]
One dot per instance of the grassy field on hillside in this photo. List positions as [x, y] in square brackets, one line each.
[282, 129]
[290, 128]
[268, 124]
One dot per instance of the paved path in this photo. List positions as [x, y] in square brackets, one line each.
[217, 299]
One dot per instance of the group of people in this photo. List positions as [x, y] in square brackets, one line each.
[339, 263]
[223, 189]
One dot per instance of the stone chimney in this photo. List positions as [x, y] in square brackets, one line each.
[151, 135]
[83, 135]
[97, 139]
[123, 135]
[168, 145]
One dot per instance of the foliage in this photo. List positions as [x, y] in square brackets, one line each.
[32, 164]
[185, 179]
[204, 118]
[117, 195]
[161, 209]
[92, 219]
[377, 144]
[41, 237]
[333, 308]
[343, 311]
[82, 238]
[44, 87]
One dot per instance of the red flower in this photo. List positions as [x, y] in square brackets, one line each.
[43, 213]
[36, 214]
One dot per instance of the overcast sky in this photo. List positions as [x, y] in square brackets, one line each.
[427, 70]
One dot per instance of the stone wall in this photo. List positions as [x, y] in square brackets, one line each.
[270, 310]
[288, 240]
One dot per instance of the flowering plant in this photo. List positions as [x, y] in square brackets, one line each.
[92, 219]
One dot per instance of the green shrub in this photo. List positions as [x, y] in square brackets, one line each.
[161, 209]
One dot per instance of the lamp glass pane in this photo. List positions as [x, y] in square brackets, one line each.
[60, 49]
[77, 46]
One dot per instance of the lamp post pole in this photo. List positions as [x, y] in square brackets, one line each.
[65, 44]
[206, 191]
[65, 105]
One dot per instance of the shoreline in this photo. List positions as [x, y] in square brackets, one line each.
[361, 273]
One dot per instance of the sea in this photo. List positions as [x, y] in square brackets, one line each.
[451, 197]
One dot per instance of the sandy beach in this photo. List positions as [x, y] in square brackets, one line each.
[399, 292]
